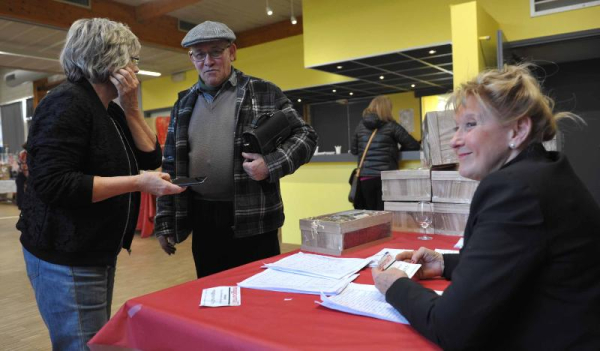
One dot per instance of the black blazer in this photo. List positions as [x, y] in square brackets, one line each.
[528, 276]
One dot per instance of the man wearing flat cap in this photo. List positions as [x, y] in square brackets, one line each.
[236, 213]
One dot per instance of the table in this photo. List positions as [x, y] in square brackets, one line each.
[145, 223]
[266, 320]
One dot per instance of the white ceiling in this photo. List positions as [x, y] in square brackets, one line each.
[36, 48]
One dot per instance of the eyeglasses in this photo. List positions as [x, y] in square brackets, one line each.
[135, 60]
[214, 54]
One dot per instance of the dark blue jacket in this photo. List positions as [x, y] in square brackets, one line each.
[383, 154]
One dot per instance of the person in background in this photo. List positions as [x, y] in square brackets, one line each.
[235, 214]
[527, 277]
[383, 153]
[85, 154]
[22, 174]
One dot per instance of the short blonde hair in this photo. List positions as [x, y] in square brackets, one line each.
[509, 94]
[97, 47]
[381, 106]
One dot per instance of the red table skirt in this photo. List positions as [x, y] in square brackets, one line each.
[266, 320]
[145, 222]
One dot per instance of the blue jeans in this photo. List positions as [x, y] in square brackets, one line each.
[74, 301]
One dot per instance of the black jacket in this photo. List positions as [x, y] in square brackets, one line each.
[528, 276]
[72, 139]
[383, 154]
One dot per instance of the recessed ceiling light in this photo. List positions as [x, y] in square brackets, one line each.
[340, 67]
[299, 100]
[334, 90]
[351, 93]
[148, 73]
[432, 52]
[381, 77]
[412, 85]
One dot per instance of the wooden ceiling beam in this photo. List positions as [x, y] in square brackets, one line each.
[158, 8]
[160, 31]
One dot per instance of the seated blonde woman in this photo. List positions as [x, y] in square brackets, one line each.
[528, 276]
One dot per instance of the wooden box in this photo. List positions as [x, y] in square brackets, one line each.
[403, 219]
[450, 219]
[335, 233]
[449, 186]
[438, 130]
[406, 185]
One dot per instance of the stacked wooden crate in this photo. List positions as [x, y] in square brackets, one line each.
[336, 233]
[449, 192]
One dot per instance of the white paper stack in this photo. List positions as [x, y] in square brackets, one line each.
[275, 280]
[319, 266]
[363, 300]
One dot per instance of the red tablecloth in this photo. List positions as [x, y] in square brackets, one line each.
[145, 223]
[171, 319]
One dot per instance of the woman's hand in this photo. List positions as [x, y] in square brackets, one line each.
[432, 262]
[126, 82]
[384, 279]
[157, 183]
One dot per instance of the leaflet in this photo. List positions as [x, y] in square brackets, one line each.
[221, 296]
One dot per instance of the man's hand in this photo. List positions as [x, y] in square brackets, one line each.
[168, 244]
[384, 279]
[255, 166]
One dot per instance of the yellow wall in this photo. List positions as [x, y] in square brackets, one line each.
[340, 30]
[315, 189]
[473, 40]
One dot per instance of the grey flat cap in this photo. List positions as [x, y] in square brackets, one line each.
[207, 31]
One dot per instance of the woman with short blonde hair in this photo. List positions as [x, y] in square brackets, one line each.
[527, 277]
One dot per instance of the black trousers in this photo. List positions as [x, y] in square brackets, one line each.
[369, 195]
[213, 245]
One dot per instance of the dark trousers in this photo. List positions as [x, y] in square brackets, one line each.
[213, 245]
[369, 195]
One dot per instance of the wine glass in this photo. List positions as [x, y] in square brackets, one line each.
[424, 216]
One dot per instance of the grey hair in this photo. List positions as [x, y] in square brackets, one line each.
[96, 47]
[509, 94]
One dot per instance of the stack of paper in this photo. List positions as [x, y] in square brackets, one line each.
[275, 280]
[319, 266]
[364, 300]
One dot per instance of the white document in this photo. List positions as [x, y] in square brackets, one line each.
[409, 268]
[221, 296]
[442, 251]
[319, 266]
[459, 244]
[377, 257]
[364, 300]
[275, 280]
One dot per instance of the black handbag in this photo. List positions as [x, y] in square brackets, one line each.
[266, 133]
[356, 172]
